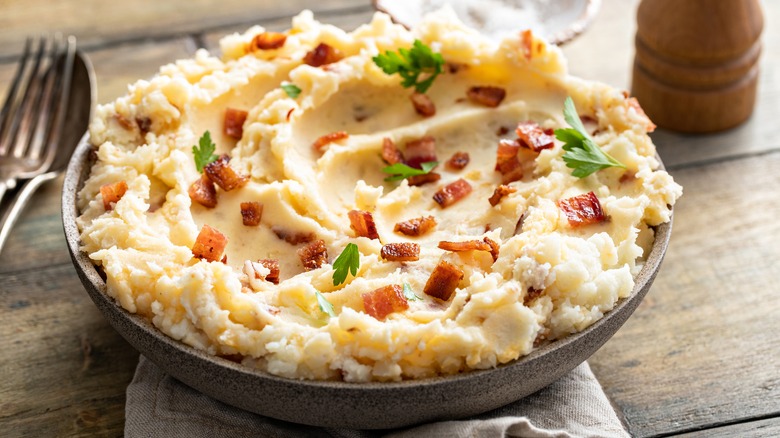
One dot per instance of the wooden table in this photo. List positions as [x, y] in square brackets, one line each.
[700, 357]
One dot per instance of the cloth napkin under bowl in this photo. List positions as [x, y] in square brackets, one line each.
[574, 406]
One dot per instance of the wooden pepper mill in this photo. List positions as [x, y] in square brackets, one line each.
[696, 62]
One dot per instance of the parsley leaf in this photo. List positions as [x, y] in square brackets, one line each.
[409, 294]
[399, 171]
[324, 304]
[291, 89]
[347, 262]
[582, 153]
[410, 64]
[205, 153]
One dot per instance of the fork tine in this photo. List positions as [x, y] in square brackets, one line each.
[22, 133]
[10, 99]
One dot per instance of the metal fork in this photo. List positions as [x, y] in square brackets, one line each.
[31, 119]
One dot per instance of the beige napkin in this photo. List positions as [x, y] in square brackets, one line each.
[575, 406]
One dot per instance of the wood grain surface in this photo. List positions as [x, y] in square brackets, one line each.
[698, 358]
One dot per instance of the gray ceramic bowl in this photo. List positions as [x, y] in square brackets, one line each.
[340, 404]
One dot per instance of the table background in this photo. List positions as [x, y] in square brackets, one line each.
[700, 356]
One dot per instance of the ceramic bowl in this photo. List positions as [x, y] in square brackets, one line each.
[557, 21]
[341, 404]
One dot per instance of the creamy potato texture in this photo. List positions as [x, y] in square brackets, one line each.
[550, 278]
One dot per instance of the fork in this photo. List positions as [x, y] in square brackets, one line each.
[31, 119]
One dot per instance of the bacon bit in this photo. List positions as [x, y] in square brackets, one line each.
[401, 252]
[384, 301]
[415, 227]
[422, 150]
[530, 135]
[293, 238]
[458, 161]
[423, 104]
[498, 194]
[507, 162]
[289, 113]
[627, 177]
[234, 123]
[224, 259]
[203, 192]
[531, 295]
[313, 255]
[527, 43]
[223, 175]
[494, 247]
[390, 152]
[467, 245]
[633, 103]
[488, 96]
[582, 209]
[363, 224]
[112, 193]
[321, 55]
[502, 131]
[418, 180]
[267, 41]
[273, 266]
[251, 213]
[443, 281]
[144, 124]
[209, 244]
[328, 138]
[128, 125]
[452, 193]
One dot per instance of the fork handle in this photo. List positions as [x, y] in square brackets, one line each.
[16, 206]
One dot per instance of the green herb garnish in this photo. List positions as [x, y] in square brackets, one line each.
[411, 63]
[347, 262]
[399, 171]
[582, 153]
[291, 90]
[409, 294]
[205, 153]
[325, 305]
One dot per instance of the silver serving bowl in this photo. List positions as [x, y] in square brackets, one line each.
[342, 404]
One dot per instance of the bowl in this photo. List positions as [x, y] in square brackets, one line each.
[342, 404]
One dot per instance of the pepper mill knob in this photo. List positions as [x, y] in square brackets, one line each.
[696, 62]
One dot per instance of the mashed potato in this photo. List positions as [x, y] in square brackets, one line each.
[549, 278]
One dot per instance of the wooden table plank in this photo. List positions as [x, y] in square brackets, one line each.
[761, 428]
[97, 22]
[703, 346]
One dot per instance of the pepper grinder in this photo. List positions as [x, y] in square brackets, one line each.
[696, 63]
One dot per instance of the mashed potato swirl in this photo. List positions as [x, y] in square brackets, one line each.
[550, 279]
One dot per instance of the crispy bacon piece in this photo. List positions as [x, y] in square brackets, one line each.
[527, 43]
[485, 244]
[530, 135]
[383, 301]
[234, 123]
[401, 252]
[223, 175]
[123, 122]
[422, 150]
[313, 255]
[289, 113]
[390, 152]
[203, 192]
[415, 227]
[498, 194]
[423, 104]
[144, 124]
[633, 103]
[458, 161]
[267, 41]
[322, 54]
[363, 224]
[326, 139]
[443, 281]
[251, 213]
[273, 266]
[418, 180]
[487, 96]
[531, 295]
[293, 237]
[582, 209]
[507, 162]
[209, 245]
[452, 193]
[112, 193]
